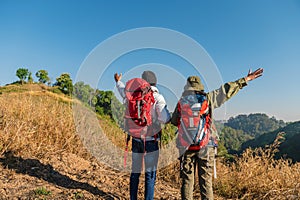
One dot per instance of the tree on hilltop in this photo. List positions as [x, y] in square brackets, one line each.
[85, 93]
[22, 74]
[42, 76]
[64, 83]
[108, 104]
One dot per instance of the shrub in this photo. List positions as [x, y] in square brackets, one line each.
[42, 191]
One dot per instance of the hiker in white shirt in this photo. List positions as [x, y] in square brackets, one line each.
[147, 150]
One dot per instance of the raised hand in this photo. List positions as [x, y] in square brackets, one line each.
[253, 75]
[118, 77]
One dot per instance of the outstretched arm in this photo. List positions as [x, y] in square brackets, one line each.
[228, 90]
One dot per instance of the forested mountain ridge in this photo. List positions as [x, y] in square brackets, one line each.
[242, 128]
[289, 148]
[255, 124]
[258, 130]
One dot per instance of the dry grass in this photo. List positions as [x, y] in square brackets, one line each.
[253, 175]
[40, 124]
[36, 124]
[257, 175]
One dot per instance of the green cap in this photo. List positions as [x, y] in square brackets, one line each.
[194, 83]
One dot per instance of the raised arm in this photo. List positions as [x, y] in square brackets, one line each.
[228, 90]
[120, 85]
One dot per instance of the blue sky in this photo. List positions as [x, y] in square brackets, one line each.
[58, 36]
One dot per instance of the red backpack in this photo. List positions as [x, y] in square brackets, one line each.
[139, 98]
[194, 125]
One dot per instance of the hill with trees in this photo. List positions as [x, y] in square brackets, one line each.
[289, 148]
[255, 124]
[232, 139]
[242, 128]
[45, 155]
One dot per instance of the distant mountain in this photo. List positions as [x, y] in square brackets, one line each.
[290, 148]
[255, 124]
[242, 128]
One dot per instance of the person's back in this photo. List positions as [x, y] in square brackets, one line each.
[145, 151]
[203, 157]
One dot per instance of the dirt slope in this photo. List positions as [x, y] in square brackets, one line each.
[67, 176]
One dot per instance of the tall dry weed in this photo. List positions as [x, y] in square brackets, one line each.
[253, 175]
[37, 124]
[257, 175]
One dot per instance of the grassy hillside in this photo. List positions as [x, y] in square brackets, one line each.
[45, 155]
[37, 123]
[47, 152]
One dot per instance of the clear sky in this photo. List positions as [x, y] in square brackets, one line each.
[59, 35]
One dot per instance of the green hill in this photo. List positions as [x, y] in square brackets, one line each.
[289, 148]
[242, 128]
[255, 124]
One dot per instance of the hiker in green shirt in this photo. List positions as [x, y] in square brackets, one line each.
[201, 154]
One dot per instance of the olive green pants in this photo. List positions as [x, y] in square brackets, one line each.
[204, 159]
